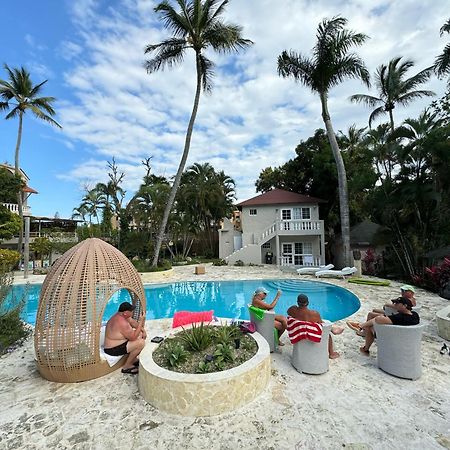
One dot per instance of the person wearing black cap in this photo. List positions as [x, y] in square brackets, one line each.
[302, 312]
[124, 335]
[405, 316]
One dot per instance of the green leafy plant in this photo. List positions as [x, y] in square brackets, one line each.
[197, 338]
[204, 367]
[220, 262]
[225, 334]
[239, 263]
[175, 354]
[223, 353]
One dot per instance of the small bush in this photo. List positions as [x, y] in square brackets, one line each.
[220, 262]
[175, 354]
[224, 353]
[239, 263]
[226, 334]
[8, 259]
[142, 265]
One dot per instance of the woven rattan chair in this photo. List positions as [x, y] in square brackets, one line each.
[71, 306]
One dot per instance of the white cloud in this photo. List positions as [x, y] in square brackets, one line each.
[254, 118]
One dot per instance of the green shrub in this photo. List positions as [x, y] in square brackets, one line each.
[12, 329]
[204, 367]
[220, 262]
[143, 265]
[224, 353]
[175, 354]
[239, 263]
[226, 334]
[8, 259]
[198, 338]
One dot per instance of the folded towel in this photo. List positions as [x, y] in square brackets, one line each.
[258, 312]
[299, 329]
[187, 317]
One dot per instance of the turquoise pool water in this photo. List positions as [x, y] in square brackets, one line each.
[226, 298]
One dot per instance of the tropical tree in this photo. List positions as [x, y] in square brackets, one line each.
[197, 26]
[19, 95]
[330, 64]
[442, 62]
[394, 89]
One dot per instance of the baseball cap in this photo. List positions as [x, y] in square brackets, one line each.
[261, 290]
[407, 287]
[302, 300]
[126, 306]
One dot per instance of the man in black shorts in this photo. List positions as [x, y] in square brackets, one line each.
[404, 317]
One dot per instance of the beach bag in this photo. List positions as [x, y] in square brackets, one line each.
[247, 327]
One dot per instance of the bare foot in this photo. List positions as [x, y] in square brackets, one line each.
[337, 330]
[361, 333]
[334, 355]
[280, 344]
[364, 351]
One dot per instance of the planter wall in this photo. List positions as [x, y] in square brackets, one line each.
[204, 394]
[443, 323]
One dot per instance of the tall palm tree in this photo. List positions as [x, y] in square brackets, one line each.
[19, 95]
[442, 62]
[330, 64]
[394, 89]
[197, 26]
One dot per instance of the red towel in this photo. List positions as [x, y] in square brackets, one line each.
[186, 317]
[299, 329]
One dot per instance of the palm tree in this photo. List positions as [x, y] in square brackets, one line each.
[394, 89]
[197, 26]
[20, 95]
[330, 64]
[442, 62]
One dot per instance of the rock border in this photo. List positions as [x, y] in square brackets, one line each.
[208, 394]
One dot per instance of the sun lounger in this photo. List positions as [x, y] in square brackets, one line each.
[346, 271]
[312, 270]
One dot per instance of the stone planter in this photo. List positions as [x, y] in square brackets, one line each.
[203, 394]
[445, 291]
[443, 323]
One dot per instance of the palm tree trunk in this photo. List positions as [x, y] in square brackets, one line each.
[176, 183]
[17, 172]
[342, 182]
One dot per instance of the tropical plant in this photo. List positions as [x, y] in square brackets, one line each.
[442, 62]
[8, 259]
[10, 185]
[19, 95]
[197, 26]
[225, 334]
[394, 89]
[41, 247]
[197, 338]
[330, 64]
[175, 354]
[10, 223]
[224, 353]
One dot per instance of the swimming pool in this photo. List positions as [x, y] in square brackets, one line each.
[226, 298]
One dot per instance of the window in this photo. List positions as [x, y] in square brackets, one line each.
[285, 214]
[266, 245]
[298, 253]
[253, 212]
[302, 213]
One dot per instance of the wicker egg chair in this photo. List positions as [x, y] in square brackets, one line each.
[71, 305]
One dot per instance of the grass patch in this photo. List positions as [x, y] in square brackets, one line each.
[205, 349]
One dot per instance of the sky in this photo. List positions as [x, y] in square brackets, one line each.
[92, 54]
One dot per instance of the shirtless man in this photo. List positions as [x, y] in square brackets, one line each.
[301, 312]
[124, 335]
[258, 301]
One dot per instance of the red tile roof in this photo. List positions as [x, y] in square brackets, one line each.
[30, 190]
[278, 197]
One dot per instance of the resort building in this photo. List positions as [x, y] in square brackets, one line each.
[278, 227]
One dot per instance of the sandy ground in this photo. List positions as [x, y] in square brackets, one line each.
[354, 405]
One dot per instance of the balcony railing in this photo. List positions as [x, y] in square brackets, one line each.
[303, 261]
[291, 227]
[14, 208]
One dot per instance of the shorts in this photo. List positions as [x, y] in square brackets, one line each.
[118, 350]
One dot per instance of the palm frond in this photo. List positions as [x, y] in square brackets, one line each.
[168, 53]
[376, 113]
[172, 20]
[225, 38]
[207, 72]
[407, 98]
[368, 100]
[442, 62]
[445, 28]
[41, 115]
[350, 66]
[13, 113]
[291, 64]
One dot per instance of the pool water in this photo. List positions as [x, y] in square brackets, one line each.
[226, 298]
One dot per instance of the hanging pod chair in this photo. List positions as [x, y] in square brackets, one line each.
[71, 306]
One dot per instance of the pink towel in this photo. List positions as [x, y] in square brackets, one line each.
[299, 329]
[186, 317]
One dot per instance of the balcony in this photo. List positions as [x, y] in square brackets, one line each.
[14, 208]
[292, 227]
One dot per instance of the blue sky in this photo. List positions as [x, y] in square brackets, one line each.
[91, 53]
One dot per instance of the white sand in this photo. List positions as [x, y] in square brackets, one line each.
[355, 405]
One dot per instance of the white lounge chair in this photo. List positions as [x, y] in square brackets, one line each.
[346, 271]
[313, 269]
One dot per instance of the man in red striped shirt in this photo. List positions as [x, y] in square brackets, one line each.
[302, 312]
